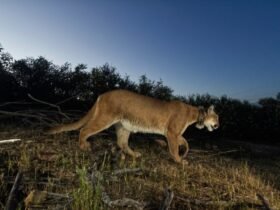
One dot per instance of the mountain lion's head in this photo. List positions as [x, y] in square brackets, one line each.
[208, 119]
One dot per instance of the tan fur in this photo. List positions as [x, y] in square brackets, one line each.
[131, 112]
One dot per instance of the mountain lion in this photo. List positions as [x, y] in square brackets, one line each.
[132, 112]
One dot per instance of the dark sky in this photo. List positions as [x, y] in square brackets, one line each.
[200, 46]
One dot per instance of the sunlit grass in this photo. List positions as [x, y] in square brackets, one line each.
[221, 182]
[86, 196]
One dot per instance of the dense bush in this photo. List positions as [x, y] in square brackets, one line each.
[49, 82]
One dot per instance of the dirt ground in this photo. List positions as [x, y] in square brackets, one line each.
[57, 175]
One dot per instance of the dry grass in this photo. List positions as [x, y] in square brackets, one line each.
[209, 181]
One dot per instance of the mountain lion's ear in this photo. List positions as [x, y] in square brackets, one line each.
[211, 109]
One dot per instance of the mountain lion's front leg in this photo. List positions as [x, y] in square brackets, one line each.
[173, 144]
[183, 142]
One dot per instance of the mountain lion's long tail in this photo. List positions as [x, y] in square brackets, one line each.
[72, 126]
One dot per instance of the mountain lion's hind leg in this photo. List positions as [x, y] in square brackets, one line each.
[94, 126]
[122, 141]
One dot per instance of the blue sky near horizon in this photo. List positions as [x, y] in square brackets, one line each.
[218, 47]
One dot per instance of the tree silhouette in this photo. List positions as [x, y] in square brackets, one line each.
[33, 75]
[9, 88]
[104, 79]
[49, 82]
[145, 86]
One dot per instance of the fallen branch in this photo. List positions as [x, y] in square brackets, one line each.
[161, 142]
[258, 149]
[169, 195]
[126, 171]
[45, 200]
[198, 202]
[9, 141]
[12, 201]
[97, 177]
[199, 151]
[49, 104]
[264, 202]
[222, 153]
[67, 99]
[18, 114]
[124, 202]
[14, 102]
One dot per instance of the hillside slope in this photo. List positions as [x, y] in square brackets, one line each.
[214, 178]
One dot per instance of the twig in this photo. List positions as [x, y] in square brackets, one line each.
[124, 202]
[97, 177]
[67, 99]
[13, 196]
[205, 203]
[49, 104]
[168, 197]
[126, 171]
[14, 102]
[58, 195]
[40, 199]
[264, 201]
[222, 153]
[39, 183]
[161, 142]
[9, 141]
[18, 114]
[198, 151]
[217, 154]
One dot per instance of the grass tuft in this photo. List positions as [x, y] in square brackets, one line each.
[208, 181]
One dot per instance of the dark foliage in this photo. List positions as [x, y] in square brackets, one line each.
[44, 80]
